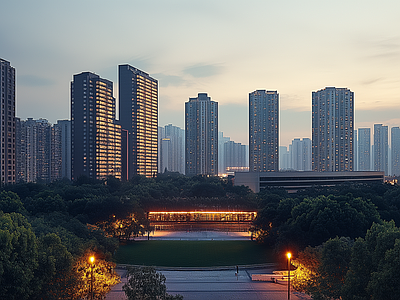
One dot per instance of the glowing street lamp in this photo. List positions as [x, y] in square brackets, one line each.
[91, 261]
[289, 255]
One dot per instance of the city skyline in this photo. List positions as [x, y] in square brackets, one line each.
[298, 54]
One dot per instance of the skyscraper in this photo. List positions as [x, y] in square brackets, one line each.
[395, 142]
[172, 149]
[95, 137]
[364, 148]
[381, 148]
[263, 131]
[332, 130]
[7, 121]
[301, 155]
[201, 136]
[64, 126]
[138, 115]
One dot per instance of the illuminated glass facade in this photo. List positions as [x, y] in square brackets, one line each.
[332, 130]
[138, 114]
[201, 136]
[263, 131]
[7, 121]
[95, 137]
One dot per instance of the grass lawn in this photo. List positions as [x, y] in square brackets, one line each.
[193, 253]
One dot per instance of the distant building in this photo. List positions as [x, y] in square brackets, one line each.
[263, 131]
[284, 158]
[64, 127]
[395, 142]
[332, 130]
[235, 156]
[201, 136]
[95, 136]
[381, 148]
[171, 149]
[301, 155]
[221, 152]
[7, 121]
[38, 147]
[355, 151]
[364, 149]
[138, 114]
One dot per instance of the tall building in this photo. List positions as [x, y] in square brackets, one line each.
[332, 130]
[395, 142]
[284, 158]
[364, 149]
[381, 148]
[235, 157]
[221, 152]
[201, 136]
[172, 149]
[38, 150]
[355, 151]
[95, 137]
[301, 155]
[64, 127]
[263, 131]
[7, 121]
[138, 115]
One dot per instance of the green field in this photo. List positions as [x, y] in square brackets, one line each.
[193, 253]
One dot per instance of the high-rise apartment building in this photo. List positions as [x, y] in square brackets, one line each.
[395, 143]
[138, 115]
[381, 148]
[221, 152]
[263, 131]
[64, 127]
[172, 149]
[332, 130]
[201, 136]
[364, 149]
[235, 157]
[95, 137]
[300, 153]
[7, 121]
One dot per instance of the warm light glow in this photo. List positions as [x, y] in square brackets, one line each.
[91, 259]
[289, 255]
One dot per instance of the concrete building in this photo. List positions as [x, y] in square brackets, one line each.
[364, 149]
[221, 152]
[300, 155]
[64, 127]
[395, 144]
[201, 136]
[332, 130]
[284, 158]
[294, 181]
[7, 121]
[381, 148]
[235, 157]
[171, 149]
[95, 137]
[138, 114]
[263, 131]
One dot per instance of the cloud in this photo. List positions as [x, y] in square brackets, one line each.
[203, 70]
[371, 81]
[168, 80]
[33, 80]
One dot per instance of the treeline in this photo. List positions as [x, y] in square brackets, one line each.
[48, 231]
[344, 239]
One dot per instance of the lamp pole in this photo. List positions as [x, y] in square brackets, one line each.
[289, 255]
[91, 260]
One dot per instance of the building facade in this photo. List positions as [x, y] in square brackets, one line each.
[300, 154]
[138, 115]
[364, 149]
[235, 157]
[7, 121]
[263, 131]
[201, 136]
[395, 143]
[332, 130]
[172, 149]
[381, 148]
[95, 137]
[64, 129]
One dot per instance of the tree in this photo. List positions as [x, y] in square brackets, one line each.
[18, 256]
[144, 283]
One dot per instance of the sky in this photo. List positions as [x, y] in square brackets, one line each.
[227, 49]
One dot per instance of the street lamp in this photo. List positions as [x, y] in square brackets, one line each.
[91, 261]
[289, 255]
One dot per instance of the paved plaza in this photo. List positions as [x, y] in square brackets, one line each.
[214, 283]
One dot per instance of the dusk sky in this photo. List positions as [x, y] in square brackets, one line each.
[224, 48]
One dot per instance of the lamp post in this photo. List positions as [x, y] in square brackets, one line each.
[289, 255]
[91, 261]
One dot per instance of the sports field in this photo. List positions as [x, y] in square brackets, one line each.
[173, 253]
